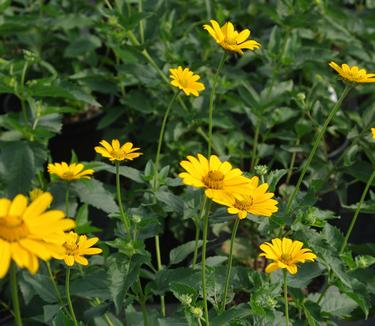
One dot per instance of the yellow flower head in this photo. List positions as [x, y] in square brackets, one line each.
[256, 201]
[286, 253]
[74, 171]
[29, 232]
[77, 246]
[215, 176]
[185, 80]
[373, 132]
[230, 39]
[353, 74]
[117, 152]
[35, 193]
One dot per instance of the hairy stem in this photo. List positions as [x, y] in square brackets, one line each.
[14, 292]
[67, 292]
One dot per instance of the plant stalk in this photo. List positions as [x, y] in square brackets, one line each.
[197, 233]
[211, 107]
[357, 211]
[125, 218]
[14, 292]
[22, 95]
[204, 248]
[255, 145]
[67, 199]
[67, 291]
[286, 298]
[229, 266]
[315, 146]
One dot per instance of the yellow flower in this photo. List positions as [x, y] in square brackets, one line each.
[230, 39]
[353, 74]
[30, 232]
[117, 152]
[373, 132]
[185, 80]
[286, 254]
[35, 193]
[74, 171]
[215, 176]
[257, 201]
[77, 246]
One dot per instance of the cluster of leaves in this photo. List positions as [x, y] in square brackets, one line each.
[107, 64]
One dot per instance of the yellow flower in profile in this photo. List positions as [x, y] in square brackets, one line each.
[214, 176]
[373, 132]
[353, 74]
[117, 152]
[256, 201]
[73, 171]
[286, 253]
[29, 232]
[185, 80]
[230, 39]
[35, 193]
[77, 246]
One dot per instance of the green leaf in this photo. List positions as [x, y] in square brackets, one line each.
[239, 312]
[274, 177]
[92, 192]
[92, 284]
[179, 253]
[125, 171]
[173, 202]
[306, 273]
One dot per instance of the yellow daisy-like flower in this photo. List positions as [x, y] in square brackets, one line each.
[77, 246]
[29, 232]
[35, 193]
[215, 176]
[230, 39]
[286, 253]
[257, 201]
[373, 132]
[185, 80]
[117, 152]
[353, 74]
[74, 171]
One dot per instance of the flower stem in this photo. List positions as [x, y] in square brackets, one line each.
[142, 301]
[14, 291]
[286, 298]
[124, 217]
[160, 142]
[369, 182]
[22, 95]
[255, 145]
[212, 96]
[229, 266]
[315, 146]
[57, 291]
[67, 292]
[67, 200]
[197, 233]
[291, 166]
[204, 248]
[141, 24]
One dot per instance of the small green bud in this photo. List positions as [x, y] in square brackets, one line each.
[30, 56]
[261, 170]
[112, 20]
[137, 219]
[301, 97]
[309, 218]
[197, 312]
[186, 299]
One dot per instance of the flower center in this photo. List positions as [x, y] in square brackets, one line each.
[68, 175]
[286, 258]
[117, 155]
[244, 205]
[71, 248]
[214, 179]
[13, 228]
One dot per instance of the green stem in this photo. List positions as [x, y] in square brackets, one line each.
[291, 166]
[197, 233]
[141, 24]
[286, 298]
[255, 145]
[108, 4]
[369, 182]
[160, 267]
[315, 146]
[211, 107]
[124, 217]
[67, 199]
[142, 302]
[208, 9]
[229, 266]
[14, 291]
[57, 291]
[324, 291]
[204, 248]
[22, 95]
[160, 142]
[67, 291]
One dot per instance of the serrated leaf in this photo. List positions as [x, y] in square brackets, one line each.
[179, 253]
[92, 192]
